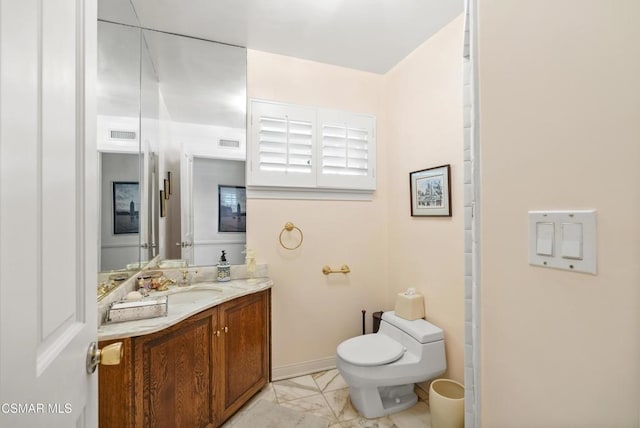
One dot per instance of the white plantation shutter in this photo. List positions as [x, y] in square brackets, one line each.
[311, 148]
[300, 146]
[272, 144]
[346, 150]
[285, 145]
[282, 149]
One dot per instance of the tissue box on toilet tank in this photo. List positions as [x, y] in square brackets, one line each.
[410, 305]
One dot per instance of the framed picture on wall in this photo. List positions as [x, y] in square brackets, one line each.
[126, 207]
[232, 209]
[431, 192]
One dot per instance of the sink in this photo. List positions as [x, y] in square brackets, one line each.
[194, 295]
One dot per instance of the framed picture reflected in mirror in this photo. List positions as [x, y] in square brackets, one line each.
[232, 208]
[126, 207]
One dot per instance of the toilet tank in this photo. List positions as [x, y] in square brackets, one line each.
[419, 330]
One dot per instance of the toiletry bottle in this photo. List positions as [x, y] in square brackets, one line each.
[224, 270]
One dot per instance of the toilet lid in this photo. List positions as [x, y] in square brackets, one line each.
[370, 350]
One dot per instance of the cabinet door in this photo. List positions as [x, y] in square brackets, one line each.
[115, 389]
[174, 374]
[244, 323]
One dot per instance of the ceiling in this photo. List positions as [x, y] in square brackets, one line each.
[369, 35]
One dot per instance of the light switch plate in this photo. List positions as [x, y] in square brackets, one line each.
[574, 240]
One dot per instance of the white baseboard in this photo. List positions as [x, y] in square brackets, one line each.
[302, 368]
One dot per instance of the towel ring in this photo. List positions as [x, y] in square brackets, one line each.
[289, 227]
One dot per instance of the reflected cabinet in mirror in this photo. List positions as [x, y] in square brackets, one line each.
[171, 112]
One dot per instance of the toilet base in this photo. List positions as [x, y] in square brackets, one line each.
[374, 402]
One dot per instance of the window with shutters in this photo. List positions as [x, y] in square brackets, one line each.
[281, 145]
[285, 145]
[306, 147]
[346, 150]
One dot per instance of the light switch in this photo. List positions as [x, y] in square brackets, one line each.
[571, 241]
[563, 240]
[544, 239]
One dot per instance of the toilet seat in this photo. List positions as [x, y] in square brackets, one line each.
[370, 350]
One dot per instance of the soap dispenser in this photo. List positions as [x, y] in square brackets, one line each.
[224, 269]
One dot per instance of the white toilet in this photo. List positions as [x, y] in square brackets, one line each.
[382, 368]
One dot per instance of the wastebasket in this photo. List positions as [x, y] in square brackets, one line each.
[377, 316]
[446, 401]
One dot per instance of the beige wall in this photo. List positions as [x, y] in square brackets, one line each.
[560, 129]
[423, 102]
[418, 106]
[312, 312]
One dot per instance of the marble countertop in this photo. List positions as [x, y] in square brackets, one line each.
[183, 303]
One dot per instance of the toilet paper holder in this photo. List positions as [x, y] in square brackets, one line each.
[343, 269]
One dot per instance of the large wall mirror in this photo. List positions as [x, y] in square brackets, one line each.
[169, 108]
[118, 141]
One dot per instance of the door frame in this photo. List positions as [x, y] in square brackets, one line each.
[472, 204]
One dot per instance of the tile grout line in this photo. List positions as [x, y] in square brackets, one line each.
[325, 398]
[320, 392]
[348, 399]
[331, 409]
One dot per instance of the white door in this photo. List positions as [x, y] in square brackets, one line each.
[186, 207]
[48, 212]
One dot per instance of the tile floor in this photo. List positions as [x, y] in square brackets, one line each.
[326, 394]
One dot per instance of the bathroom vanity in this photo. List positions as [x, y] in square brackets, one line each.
[194, 368]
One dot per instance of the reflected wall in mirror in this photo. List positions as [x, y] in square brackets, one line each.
[202, 87]
[119, 242]
[209, 241]
[168, 103]
[127, 140]
[118, 108]
[150, 140]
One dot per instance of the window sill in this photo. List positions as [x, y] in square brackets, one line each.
[309, 193]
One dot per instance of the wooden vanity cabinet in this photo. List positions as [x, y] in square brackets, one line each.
[244, 363]
[115, 386]
[174, 374]
[196, 373]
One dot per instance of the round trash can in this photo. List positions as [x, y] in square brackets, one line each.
[446, 401]
[377, 316]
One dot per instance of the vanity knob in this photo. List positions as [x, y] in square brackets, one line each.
[226, 330]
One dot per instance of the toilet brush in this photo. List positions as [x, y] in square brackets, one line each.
[363, 319]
